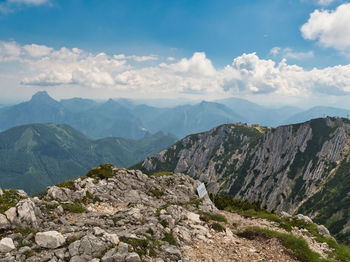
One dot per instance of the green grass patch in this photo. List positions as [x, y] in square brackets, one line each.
[157, 192]
[206, 216]
[297, 246]
[169, 237]
[8, 199]
[162, 173]
[102, 171]
[67, 184]
[74, 207]
[217, 227]
[140, 246]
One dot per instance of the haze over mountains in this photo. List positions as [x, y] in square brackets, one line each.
[128, 119]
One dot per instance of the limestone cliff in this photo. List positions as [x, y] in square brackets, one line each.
[289, 168]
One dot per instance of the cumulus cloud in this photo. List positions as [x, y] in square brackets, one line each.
[289, 53]
[247, 75]
[331, 28]
[198, 64]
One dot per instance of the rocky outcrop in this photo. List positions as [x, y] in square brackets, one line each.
[125, 215]
[110, 215]
[285, 168]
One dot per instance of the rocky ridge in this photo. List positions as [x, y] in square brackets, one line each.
[293, 168]
[125, 215]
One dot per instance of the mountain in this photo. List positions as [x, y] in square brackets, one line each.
[315, 112]
[40, 109]
[293, 168]
[183, 120]
[124, 215]
[257, 114]
[37, 155]
[94, 119]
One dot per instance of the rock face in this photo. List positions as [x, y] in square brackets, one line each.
[6, 245]
[301, 168]
[49, 239]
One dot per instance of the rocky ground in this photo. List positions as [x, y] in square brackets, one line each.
[124, 215]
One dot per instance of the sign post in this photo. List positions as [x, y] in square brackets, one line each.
[201, 190]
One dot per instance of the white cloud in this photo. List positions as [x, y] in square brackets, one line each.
[248, 75]
[325, 2]
[329, 28]
[37, 50]
[289, 53]
[198, 64]
[9, 51]
[12, 5]
[136, 58]
[28, 2]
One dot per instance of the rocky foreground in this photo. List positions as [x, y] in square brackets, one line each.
[125, 215]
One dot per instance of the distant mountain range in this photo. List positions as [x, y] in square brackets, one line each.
[37, 155]
[127, 119]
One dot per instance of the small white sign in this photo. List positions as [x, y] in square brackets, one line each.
[202, 191]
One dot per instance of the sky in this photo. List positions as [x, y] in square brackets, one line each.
[272, 52]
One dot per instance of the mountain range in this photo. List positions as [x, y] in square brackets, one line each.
[129, 119]
[300, 168]
[37, 155]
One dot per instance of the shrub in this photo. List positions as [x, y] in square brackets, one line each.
[67, 184]
[102, 171]
[218, 227]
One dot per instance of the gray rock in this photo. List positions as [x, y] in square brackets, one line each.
[113, 256]
[50, 239]
[62, 194]
[133, 257]
[323, 231]
[6, 245]
[4, 223]
[24, 214]
[304, 218]
[78, 259]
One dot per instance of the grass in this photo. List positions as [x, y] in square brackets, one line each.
[157, 192]
[217, 227]
[9, 199]
[67, 184]
[74, 207]
[102, 171]
[142, 247]
[340, 252]
[162, 173]
[297, 246]
[206, 216]
[169, 237]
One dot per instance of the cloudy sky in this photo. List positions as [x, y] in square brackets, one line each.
[272, 52]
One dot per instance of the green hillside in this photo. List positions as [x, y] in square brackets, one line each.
[37, 155]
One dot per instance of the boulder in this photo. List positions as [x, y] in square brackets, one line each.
[50, 239]
[304, 218]
[24, 214]
[4, 223]
[6, 245]
[323, 231]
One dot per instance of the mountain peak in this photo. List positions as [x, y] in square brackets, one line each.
[42, 96]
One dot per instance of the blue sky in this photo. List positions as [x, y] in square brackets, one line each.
[183, 49]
